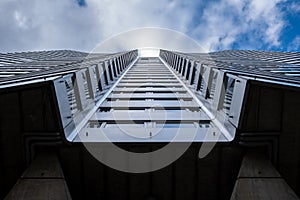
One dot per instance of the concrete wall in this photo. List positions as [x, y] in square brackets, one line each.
[274, 108]
[212, 177]
[22, 110]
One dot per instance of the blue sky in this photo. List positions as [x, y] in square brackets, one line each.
[216, 25]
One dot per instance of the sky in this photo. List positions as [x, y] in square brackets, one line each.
[28, 25]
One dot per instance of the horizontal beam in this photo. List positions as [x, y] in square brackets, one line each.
[149, 104]
[156, 115]
[123, 134]
[149, 96]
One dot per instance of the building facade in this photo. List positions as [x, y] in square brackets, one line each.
[233, 116]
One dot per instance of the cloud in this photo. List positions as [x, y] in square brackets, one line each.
[294, 45]
[60, 24]
[82, 24]
[256, 22]
[42, 24]
[294, 7]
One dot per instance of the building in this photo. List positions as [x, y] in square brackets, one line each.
[234, 112]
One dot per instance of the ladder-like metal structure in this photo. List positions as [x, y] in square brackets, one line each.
[148, 103]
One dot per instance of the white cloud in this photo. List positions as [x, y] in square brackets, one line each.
[267, 13]
[62, 24]
[21, 20]
[40, 24]
[227, 22]
[294, 7]
[43, 24]
[294, 45]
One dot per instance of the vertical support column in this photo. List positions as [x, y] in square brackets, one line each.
[199, 76]
[187, 71]
[92, 81]
[123, 62]
[112, 65]
[192, 72]
[117, 67]
[126, 59]
[107, 72]
[176, 62]
[184, 67]
[110, 71]
[205, 77]
[119, 64]
[79, 89]
[173, 60]
[220, 91]
[179, 63]
[209, 82]
[100, 76]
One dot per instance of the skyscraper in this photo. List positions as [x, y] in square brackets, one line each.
[212, 126]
